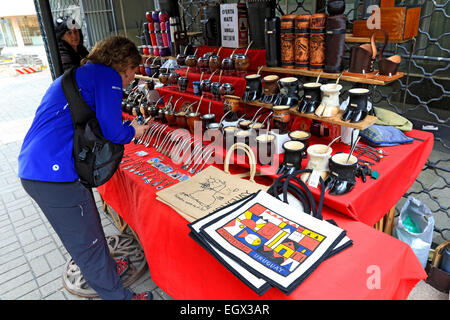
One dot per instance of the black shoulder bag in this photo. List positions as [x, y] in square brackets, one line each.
[96, 158]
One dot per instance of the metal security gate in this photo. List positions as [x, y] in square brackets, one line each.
[97, 19]
[100, 19]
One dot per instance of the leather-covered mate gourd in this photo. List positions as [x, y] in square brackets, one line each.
[302, 22]
[288, 41]
[317, 42]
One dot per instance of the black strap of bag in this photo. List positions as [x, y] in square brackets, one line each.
[283, 184]
[96, 158]
[79, 110]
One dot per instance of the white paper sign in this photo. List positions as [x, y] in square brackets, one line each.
[229, 25]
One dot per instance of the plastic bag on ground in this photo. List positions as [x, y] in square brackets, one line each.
[415, 227]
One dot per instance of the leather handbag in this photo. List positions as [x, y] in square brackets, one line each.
[302, 22]
[272, 41]
[362, 57]
[317, 42]
[288, 41]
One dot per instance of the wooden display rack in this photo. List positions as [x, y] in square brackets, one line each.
[370, 78]
[349, 37]
[152, 56]
[139, 76]
[367, 122]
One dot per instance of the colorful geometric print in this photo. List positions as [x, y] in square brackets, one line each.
[269, 238]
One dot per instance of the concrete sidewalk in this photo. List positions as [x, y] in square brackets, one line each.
[31, 255]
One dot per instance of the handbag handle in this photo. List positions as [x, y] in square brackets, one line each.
[302, 192]
[250, 154]
[386, 39]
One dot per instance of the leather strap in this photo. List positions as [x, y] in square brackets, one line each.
[302, 193]
[386, 39]
[79, 109]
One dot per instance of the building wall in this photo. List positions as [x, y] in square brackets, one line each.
[19, 26]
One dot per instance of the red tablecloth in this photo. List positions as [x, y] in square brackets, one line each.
[184, 270]
[368, 202]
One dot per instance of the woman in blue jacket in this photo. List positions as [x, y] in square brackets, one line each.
[47, 169]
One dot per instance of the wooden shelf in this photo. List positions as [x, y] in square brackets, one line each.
[194, 33]
[346, 76]
[367, 122]
[139, 76]
[152, 56]
[349, 37]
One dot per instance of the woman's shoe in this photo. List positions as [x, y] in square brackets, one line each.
[146, 295]
[123, 265]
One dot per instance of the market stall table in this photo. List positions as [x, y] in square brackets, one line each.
[369, 201]
[377, 266]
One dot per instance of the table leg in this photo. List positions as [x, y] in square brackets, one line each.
[386, 223]
[120, 224]
[389, 225]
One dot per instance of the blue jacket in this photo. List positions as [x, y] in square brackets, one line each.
[46, 153]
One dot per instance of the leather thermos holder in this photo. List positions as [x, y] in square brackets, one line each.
[146, 33]
[272, 41]
[302, 22]
[317, 42]
[335, 43]
[288, 41]
[362, 57]
[256, 14]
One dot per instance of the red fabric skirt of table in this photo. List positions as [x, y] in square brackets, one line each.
[377, 266]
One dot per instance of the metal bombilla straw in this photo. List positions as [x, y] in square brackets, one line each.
[353, 148]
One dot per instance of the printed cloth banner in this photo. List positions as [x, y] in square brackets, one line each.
[266, 242]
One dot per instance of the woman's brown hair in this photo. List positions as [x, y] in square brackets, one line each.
[117, 52]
